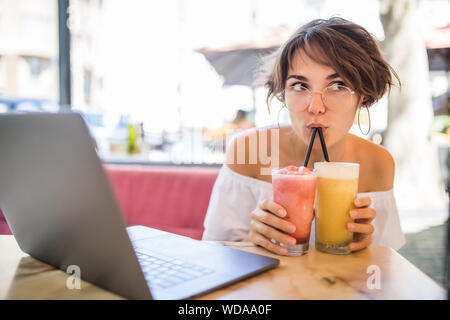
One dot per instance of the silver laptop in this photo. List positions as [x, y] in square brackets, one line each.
[59, 204]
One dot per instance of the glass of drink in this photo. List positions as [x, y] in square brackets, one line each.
[294, 188]
[337, 188]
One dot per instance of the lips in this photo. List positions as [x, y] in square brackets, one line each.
[310, 126]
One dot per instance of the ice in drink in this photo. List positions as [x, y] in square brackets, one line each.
[294, 188]
[337, 188]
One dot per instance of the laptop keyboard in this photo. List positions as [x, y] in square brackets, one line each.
[166, 272]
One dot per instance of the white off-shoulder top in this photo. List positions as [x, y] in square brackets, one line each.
[235, 196]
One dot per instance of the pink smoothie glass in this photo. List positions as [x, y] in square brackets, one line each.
[294, 188]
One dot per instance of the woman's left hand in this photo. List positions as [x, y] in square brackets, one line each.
[361, 227]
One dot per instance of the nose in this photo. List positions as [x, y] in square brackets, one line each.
[316, 104]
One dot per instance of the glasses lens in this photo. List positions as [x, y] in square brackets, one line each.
[299, 97]
[337, 96]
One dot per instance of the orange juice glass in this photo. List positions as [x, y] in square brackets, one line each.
[337, 188]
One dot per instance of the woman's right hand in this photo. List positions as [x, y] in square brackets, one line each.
[267, 224]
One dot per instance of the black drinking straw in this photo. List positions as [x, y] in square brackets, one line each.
[311, 142]
[324, 146]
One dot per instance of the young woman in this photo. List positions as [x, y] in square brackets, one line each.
[324, 74]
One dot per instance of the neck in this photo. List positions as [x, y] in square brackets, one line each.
[336, 152]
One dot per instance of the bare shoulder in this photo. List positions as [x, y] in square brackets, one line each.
[243, 153]
[377, 164]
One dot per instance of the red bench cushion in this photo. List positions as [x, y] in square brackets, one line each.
[173, 199]
[4, 228]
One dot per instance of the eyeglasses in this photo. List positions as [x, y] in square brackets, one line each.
[335, 96]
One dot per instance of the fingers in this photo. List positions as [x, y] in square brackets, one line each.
[360, 228]
[362, 202]
[272, 233]
[364, 243]
[273, 207]
[272, 220]
[363, 213]
[262, 241]
[267, 223]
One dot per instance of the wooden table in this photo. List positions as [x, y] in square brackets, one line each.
[313, 276]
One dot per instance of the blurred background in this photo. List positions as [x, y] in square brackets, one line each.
[169, 81]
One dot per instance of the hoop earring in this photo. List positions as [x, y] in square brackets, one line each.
[359, 125]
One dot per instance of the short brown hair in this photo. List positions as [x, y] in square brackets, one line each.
[345, 46]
